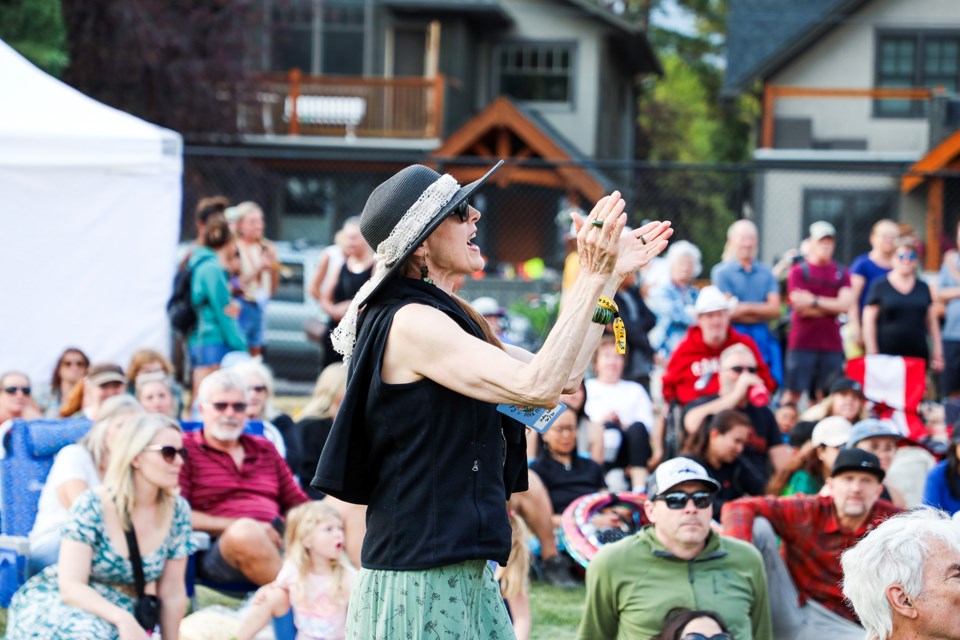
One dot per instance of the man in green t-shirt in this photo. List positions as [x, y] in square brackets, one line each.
[676, 562]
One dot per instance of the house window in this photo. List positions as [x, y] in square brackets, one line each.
[319, 37]
[852, 213]
[535, 72]
[922, 59]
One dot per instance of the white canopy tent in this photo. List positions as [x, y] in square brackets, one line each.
[90, 203]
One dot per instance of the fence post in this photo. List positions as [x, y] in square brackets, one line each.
[294, 95]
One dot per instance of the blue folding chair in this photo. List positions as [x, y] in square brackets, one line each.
[29, 448]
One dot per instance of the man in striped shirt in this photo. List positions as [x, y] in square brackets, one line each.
[237, 485]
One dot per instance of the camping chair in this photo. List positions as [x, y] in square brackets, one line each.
[28, 452]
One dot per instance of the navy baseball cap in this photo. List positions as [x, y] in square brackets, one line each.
[857, 460]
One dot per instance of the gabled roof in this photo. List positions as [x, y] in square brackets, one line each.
[763, 35]
[505, 130]
[936, 159]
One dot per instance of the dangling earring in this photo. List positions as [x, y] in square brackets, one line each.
[424, 272]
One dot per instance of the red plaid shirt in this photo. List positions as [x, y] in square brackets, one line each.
[812, 540]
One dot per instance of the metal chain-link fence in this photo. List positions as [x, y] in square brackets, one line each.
[307, 194]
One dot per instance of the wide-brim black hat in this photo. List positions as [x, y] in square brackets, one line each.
[390, 201]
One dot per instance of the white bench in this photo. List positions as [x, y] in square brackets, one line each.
[344, 111]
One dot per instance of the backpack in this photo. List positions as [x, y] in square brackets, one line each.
[180, 311]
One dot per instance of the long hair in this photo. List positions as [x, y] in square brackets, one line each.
[217, 234]
[74, 402]
[331, 383]
[301, 520]
[513, 579]
[135, 436]
[119, 407]
[679, 617]
[56, 380]
[953, 470]
[698, 444]
[807, 461]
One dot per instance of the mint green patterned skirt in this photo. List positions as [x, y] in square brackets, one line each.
[456, 602]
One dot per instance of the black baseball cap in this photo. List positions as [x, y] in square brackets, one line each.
[857, 460]
[844, 383]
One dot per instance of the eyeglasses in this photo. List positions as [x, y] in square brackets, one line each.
[10, 391]
[260, 388]
[699, 636]
[738, 369]
[462, 211]
[678, 499]
[239, 407]
[910, 255]
[169, 452]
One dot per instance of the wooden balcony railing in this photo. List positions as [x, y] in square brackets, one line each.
[353, 107]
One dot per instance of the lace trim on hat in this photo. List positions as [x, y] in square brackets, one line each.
[411, 225]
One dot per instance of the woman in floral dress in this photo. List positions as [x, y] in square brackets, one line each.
[89, 594]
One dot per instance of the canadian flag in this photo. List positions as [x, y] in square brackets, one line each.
[894, 385]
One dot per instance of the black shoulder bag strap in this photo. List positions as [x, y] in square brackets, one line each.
[136, 562]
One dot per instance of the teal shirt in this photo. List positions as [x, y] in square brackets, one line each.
[210, 295]
[633, 583]
[802, 482]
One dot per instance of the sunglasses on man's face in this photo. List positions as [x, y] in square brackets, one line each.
[699, 636]
[462, 211]
[678, 499]
[169, 452]
[239, 407]
[738, 369]
[13, 390]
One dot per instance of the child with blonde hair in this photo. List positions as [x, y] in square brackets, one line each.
[315, 579]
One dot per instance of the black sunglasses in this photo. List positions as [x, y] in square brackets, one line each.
[678, 499]
[740, 369]
[239, 407]
[699, 636]
[462, 210]
[13, 390]
[169, 452]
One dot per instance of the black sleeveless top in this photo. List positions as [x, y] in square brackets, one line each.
[434, 467]
[349, 283]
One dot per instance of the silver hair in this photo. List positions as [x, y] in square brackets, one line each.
[684, 248]
[893, 553]
[222, 380]
[259, 370]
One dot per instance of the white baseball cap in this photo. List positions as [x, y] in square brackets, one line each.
[833, 431]
[822, 229]
[677, 471]
[711, 299]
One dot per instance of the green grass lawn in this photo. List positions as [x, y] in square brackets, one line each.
[555, 612]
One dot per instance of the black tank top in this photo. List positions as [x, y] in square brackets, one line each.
[349, 283]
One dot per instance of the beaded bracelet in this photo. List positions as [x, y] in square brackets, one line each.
[606, 312]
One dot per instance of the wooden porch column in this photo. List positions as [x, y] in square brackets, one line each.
[934, 223]
[769, 104]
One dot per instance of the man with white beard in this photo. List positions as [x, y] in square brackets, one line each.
[237, 485]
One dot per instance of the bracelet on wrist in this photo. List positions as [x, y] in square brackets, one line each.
[606, 312]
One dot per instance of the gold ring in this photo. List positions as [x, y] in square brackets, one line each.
[597, 223]
[643, 240]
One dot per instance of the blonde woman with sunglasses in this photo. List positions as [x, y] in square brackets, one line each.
[90, 592]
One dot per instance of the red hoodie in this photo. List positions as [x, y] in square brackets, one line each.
[692, 359]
